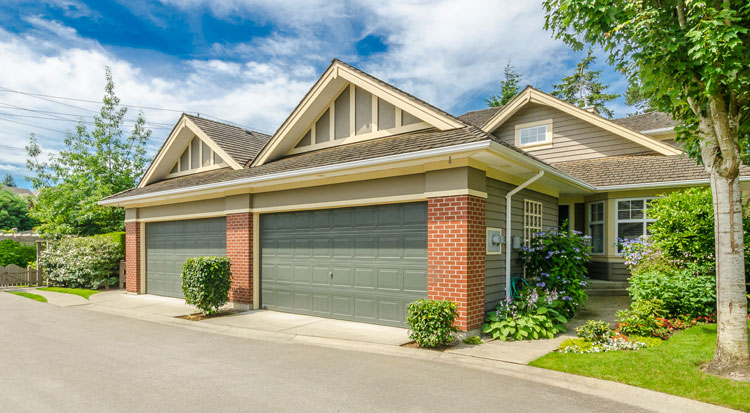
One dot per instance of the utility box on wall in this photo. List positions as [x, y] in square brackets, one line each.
[495, 240]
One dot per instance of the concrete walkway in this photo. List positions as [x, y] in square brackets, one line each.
[58, 299]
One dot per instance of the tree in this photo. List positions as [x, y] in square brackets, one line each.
[635, 97]
[9, 181]
[692, 60]
[509, 87]
[583, 88]
[14, 212]
[94, 164]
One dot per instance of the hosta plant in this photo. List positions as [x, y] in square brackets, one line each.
[529, 317]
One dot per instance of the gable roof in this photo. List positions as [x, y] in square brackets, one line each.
[530, 94]
[243, 145]
[334, 79]
[479, 117]
[637, 169]
[649, 121]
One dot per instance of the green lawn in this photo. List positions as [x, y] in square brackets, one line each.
[36, 297]
[83, 292]
[672, 367]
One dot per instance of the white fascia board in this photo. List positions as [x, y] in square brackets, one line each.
[308, 171]
[660, 130]
[665, 184]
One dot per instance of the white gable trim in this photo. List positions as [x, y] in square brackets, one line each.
[175, 145]
[340, 73]
[535, 96]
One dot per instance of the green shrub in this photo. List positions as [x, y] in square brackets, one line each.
[206, 282]
[12, 252]
[583, 345]
[556, 262]
[684, 292]
[595, 331]
[648, 341]
[528, 317]
[473, 340]
[86, 262]
[118, 237]
[431, 322]
[642, 319]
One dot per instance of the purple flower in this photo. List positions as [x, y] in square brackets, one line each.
[541, 284]
[544, 274]
[567, 298]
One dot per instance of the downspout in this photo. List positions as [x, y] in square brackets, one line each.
[508, 225]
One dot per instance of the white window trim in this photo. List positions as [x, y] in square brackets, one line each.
[645, 220]
[546, 142]
[602, 223]
[529, 230]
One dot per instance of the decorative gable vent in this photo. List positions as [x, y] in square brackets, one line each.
[197, 157]
[355, 115]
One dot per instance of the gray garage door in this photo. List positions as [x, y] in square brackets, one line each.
[169, 244]
[363, 264]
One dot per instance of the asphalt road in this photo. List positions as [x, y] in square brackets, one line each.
[72, 359]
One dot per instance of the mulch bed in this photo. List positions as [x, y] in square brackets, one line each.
[201, 316]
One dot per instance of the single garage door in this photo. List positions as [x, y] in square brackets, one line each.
[169, 244]
[363, 264]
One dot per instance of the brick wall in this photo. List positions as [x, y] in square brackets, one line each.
[240, 253]
[456, 253]
[133, 257]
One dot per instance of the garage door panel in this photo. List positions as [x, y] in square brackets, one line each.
[169, 244]
[377, 254]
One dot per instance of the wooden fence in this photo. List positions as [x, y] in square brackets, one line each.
[13, 275]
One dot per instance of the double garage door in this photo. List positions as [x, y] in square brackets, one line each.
[169, 244]
[362, 264]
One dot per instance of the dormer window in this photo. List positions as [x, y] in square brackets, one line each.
[196, 157]
[534, 134]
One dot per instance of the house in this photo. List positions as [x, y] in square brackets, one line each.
[367, 198]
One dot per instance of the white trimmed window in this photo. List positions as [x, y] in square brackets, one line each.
[596, 227]
[631, 220]
[536, 133]
[532, 219]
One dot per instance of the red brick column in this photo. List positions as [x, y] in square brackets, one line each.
[133, 257]
[456, 253]
[240, 253]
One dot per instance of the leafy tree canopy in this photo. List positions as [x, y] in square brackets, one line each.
[9, 181]
[509, 87]
[95, 163]
[635, 97]
[14, 212]
[583, 88]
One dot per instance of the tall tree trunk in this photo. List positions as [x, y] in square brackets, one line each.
[732, 357]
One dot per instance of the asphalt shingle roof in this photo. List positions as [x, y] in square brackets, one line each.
[647, 121]
[636, 169]
[479, 117]
[241, 144]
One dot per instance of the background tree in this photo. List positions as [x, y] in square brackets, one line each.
[692, 58]
[509, 87]
[94, 164]
[635, 97]
[14, 211]
[9, 181]
[583, 88]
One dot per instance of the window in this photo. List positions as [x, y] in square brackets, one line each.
[532, 219]
[632, 218]
[535, 133]
[596, 227]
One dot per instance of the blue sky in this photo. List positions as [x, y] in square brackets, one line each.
[251, 61]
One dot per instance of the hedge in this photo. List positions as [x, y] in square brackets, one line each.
[86, 262]
[12, 252]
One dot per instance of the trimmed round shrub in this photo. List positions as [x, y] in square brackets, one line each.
[206, 282]
[86, 262]
[431, 322]
[12, 252]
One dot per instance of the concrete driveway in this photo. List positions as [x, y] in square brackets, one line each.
[71, 359]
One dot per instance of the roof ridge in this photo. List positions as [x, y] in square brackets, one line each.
[225, 124]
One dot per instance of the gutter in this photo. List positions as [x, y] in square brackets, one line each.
[669, 129]
[508, 198]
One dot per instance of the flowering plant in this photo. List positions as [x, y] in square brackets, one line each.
[556, 260]
[615, 343]
[534, 314]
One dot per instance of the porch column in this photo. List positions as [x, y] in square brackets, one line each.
[240, 252]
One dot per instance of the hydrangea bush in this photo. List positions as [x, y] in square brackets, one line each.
[555, 260]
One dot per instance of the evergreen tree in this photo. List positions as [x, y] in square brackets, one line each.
[583, 88]
[509, 87]
[635, 97]
[9, 181]
[94, 164]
